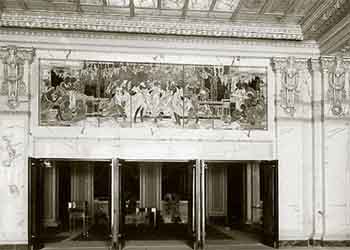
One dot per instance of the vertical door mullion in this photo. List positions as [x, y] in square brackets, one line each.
[115, 202]
[198, 202]
[203, 167]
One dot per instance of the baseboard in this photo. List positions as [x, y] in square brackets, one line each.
[314, 243]
[293, 243]
[14, 247]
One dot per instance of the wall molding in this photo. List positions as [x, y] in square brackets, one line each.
[153, 25]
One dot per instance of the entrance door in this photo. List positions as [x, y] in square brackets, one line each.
[35, 198]
[269, 170]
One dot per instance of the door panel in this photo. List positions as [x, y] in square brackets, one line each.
[269, 176]
[35, 198]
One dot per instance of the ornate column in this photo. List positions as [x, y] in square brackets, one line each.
[256, 203]
[50, 200]
[248, 191]
[15, 69]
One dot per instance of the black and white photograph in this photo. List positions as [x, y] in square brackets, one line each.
[174, 124]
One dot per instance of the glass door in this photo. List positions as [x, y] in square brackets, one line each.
[269, 171]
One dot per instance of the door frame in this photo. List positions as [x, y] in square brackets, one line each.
[204, 171]
[38, 244]
[117, 237]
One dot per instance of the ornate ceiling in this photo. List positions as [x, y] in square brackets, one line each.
[291, 11]
[268, 19]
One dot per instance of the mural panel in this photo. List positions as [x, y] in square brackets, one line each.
[120, 94]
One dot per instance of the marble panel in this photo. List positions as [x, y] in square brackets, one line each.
[13, 176]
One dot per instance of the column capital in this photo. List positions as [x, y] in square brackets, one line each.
[315, 65]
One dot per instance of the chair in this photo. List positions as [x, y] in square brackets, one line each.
[146, 212]
[78, 211]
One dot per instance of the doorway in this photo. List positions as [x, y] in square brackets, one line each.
[157, 203]
[70, 203]
[241, 203]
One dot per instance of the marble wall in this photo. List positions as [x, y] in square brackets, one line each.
[13, 176]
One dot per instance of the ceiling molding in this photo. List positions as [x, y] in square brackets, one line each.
[185, 8]
[324, 16]
[23, 4]
[212, 5]
[132, 8]
[237, 9]
[151, 26]
[57, 40]
[337, 39]
[266, 7]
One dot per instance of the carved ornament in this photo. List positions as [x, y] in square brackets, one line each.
[336, 69]
[15, 60]
[290, 70]
[166, 26]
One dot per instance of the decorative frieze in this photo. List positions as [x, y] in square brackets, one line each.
[293, 82]
[336, 77]
[161, 26]
[15, 66]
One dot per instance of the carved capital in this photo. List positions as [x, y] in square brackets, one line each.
[16, 62]
[279, 63]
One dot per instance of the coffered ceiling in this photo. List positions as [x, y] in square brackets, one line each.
[267, 19]
[275, 11]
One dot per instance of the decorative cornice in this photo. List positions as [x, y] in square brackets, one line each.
[151, 26]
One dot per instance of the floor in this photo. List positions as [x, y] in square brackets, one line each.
[219, 238]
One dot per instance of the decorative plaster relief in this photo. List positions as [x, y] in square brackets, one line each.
[16, 70]
[160, 26]
[295, 82]
[336, 71]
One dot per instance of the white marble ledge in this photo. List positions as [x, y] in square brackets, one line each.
[152, 134]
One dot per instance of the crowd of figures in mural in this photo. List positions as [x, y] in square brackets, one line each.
[123, 94]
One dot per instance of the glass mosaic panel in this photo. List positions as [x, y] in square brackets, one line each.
[118, 3]
[226, 5]
[199, 5]
[121, 94]
[173, 4]
[146, 3]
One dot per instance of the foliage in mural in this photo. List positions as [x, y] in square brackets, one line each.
[76, 93]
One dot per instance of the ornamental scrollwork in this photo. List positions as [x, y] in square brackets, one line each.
[290, 78]
[336, 92]
[14, 61]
